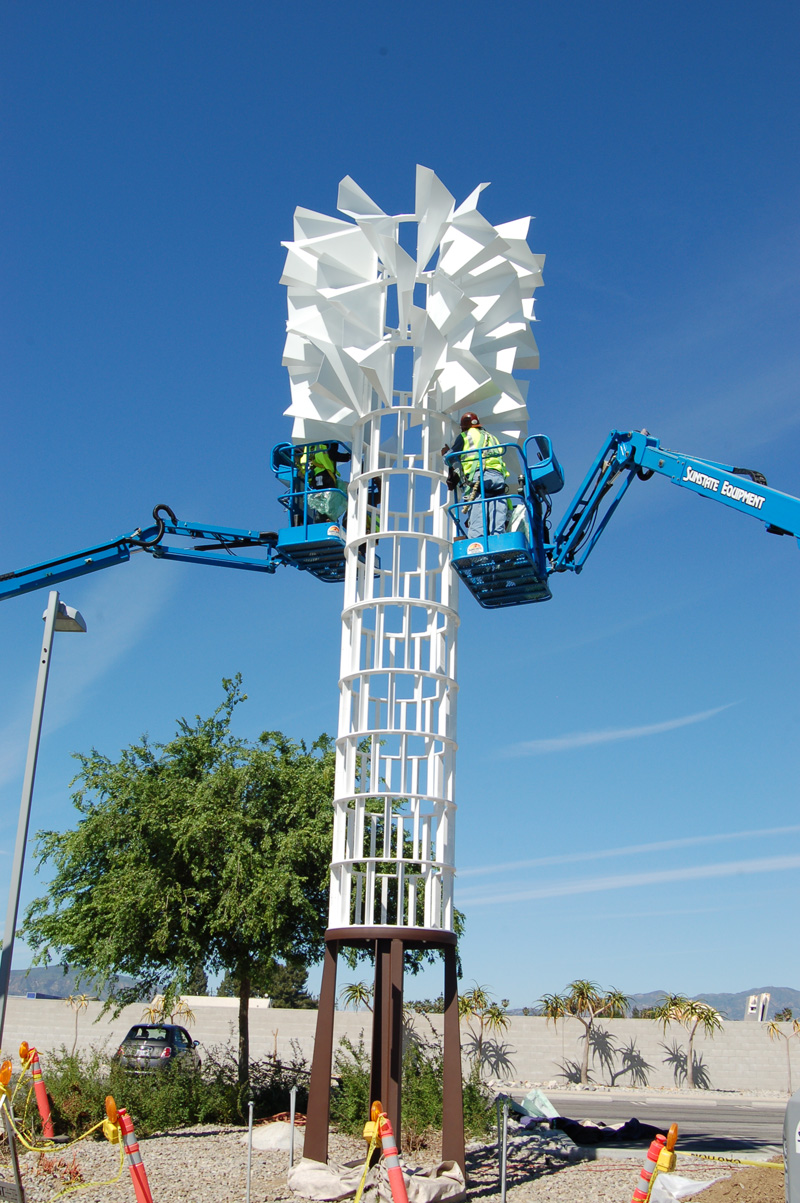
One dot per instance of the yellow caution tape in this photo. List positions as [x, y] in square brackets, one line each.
[371, 1130]
[72, 1187]
[111, 1132]
[50, 1146]
[761, 1165]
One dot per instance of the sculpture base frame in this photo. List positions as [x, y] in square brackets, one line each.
[389, 945]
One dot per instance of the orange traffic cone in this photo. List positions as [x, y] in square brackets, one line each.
[42, 1102]
[642, 1190]
[135, 1164]
[391, 1160]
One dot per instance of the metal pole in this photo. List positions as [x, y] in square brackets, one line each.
[5, 1104]
[25, 806]
[249, 1146]
[504, 1154]
[292, 1109]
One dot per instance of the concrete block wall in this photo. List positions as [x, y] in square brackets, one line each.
[49, 1024]
[741, 1057]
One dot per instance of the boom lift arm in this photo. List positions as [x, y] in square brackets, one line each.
[626, 456]
[206, 540]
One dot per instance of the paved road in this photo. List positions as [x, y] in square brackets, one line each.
[710, 1124]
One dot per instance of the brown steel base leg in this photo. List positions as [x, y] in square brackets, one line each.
[319, 1092]
[387, 1037]
[387, 1030]
[452, 1096]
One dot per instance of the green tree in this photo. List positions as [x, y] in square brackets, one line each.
[690, 1013]
[206, 850]
[585, 1002]
[196, 983]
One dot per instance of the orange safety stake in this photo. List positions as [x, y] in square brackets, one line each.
[42, 1101]
[391, 1160]
[642, 1190]
[135, 1164]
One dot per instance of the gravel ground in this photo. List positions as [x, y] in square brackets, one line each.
[208, 1165]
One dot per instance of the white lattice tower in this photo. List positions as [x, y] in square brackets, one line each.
[385, 345]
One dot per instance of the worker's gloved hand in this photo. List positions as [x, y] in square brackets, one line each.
[452, 480]
[445, 449]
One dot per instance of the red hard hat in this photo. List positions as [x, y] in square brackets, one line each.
[469, 419]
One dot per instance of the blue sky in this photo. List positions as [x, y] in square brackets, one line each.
[628, 767]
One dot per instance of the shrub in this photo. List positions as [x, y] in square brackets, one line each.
[350, 1101]
[423, 1072]
[78, 1084]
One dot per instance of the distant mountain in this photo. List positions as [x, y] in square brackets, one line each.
[732, 1006]
[52, 980]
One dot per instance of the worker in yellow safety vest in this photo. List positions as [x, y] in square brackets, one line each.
[316, 472]
[477, 441]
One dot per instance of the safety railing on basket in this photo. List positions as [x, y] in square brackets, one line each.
[490, 500]
[317, 493]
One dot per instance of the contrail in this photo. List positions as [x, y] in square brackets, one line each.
[571, 858]
[625, 881]
[583, 739]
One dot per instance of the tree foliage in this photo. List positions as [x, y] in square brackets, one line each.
[207, 851]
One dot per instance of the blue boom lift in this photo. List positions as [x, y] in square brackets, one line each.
[508, 569]
[513, 568]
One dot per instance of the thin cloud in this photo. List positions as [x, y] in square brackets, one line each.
[626, 881]
[571, 858]
[585, 739]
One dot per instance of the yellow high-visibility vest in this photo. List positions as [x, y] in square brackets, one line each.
[475, 438]
[320, 461]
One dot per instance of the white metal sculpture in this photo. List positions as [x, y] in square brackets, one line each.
[387, 340]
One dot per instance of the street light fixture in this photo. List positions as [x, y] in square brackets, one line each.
[57, 617]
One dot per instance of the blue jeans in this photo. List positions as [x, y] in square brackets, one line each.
[494, 486]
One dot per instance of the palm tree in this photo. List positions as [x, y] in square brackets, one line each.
[357, 995]
[690, 1013]
[775, 1031]
[477, 1005]
[78, 1002]
[583, 1000]
[166, 1004]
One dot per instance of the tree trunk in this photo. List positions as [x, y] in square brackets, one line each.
[690, 1058]
[585, 1057]
[789, 1062]
[244, 1026]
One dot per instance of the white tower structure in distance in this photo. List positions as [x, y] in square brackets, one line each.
[396, 324]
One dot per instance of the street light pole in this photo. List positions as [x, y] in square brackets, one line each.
[57, 617]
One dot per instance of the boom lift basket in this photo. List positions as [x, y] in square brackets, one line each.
[315, 539]
[508, 568]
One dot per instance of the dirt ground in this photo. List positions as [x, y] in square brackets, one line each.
[746, 1186]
